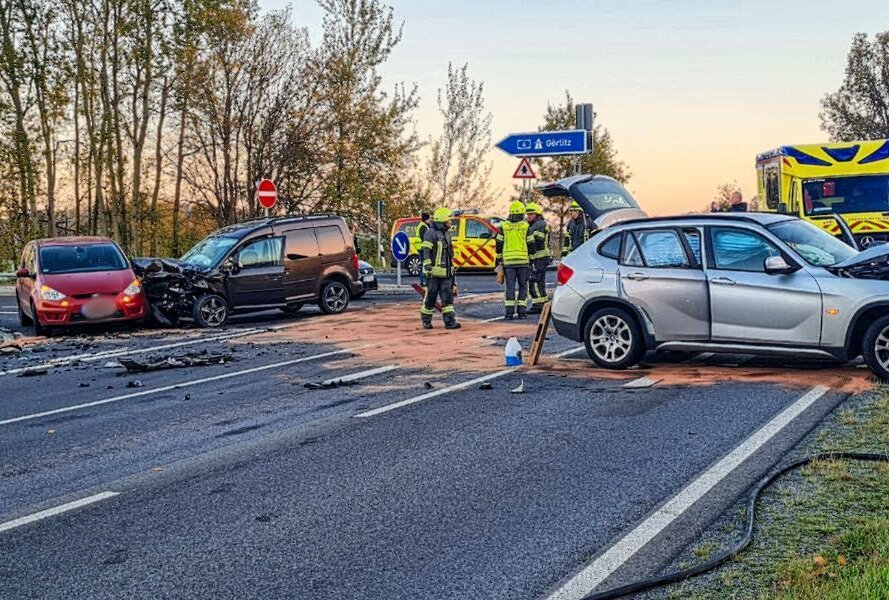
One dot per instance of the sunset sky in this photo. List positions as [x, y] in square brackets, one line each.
[690, 90]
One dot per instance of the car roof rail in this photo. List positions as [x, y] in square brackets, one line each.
[694, 217]
[291, 219]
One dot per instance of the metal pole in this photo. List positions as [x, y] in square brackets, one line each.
[398, 274]
[379, 239]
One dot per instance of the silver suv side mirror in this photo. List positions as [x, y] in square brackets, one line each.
[776, 265]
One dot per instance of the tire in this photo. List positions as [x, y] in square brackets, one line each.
[613, 339]
[292, 309]
[412, 264]
[210, 311]
[875, 348]
[37, 327]
[24, 320]
[334, 297]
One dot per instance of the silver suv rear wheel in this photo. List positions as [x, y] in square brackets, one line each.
[875, 348]
[613, 339]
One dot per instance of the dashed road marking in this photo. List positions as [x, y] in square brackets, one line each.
[453, 388]
[591, 576]
[360, 375]
[57, 510]
[180, 385]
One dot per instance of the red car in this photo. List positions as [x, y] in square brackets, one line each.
[75, 280]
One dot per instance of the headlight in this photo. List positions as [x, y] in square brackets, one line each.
[133, 289]
[47, 293]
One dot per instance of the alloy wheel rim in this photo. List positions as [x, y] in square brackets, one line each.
[213, 312]
[413, 265]
[611, 338]
[881, 348]
[335, 297]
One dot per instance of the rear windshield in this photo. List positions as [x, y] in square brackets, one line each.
[87, 258]
[606, 195]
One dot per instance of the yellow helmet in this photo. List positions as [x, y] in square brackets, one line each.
[574, 205]
[516, 208]
[535, 208]
[442, 215]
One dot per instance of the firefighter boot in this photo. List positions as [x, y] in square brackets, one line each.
[523, 311]
[427, 321]
[450, 321]
[510, 310]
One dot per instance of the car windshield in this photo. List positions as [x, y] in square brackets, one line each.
[86, 258]
[606, 195]
[858, 194]
[209, 252]
[814, 245]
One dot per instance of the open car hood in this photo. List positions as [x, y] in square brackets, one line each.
[872, 263]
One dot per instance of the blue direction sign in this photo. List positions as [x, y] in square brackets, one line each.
[545, 143]
[401, 246]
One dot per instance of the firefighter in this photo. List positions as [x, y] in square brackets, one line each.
[578, 229]
[438, 269]
[513, 256]
[538, 231]
[422, 228]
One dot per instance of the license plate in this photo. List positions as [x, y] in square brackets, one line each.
[367, 278]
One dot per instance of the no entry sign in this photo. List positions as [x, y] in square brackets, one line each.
[267, 193]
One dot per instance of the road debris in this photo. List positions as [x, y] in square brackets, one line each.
[486, 386]
[520, 389]
[173, 288]
[134, 384]
[35, 372]
[329, 384]
[194, 359]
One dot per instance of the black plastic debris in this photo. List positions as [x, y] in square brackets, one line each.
[485, 386]
[33, 372]
[329, 384]
[427, 385]
[201, 359]
[173, 287]
[134, 384]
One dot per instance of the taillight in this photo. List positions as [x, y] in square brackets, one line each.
[563, 274]
[355, 261]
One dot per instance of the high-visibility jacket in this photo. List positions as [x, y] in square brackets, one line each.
[422, 228]
[539, 233]
[436, 252]
[512, 243]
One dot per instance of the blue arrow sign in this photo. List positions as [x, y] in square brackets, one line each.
[545, 143]
[401, 246]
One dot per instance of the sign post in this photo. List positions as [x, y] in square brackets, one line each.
[380, 232]
[401, 246]
[267, 194]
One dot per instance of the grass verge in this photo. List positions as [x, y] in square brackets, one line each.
[821, 532]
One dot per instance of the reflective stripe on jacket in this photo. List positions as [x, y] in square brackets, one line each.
[539, 233]
[436, 252]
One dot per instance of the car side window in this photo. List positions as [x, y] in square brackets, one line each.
[330, 240]
[740, 250]
[693, 236]
[477, 229]
[661, 248]
[631, 256]
[611, 247]
[265, 252]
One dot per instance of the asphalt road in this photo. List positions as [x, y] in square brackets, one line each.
[235, 480]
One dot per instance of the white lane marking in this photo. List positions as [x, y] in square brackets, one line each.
[175, 386]
[51, 512]
[105, 354]
[492, 319]
[453, 388]
[699, 358]
[642, 382]
[591, 576]
[8, 312]
[359, 375]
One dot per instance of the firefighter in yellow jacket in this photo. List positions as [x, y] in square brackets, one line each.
[538, 231]
[437, 257]
[512, 254]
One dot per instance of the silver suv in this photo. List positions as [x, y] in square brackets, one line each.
[750, 283]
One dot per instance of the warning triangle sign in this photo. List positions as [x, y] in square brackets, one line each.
[524, 170]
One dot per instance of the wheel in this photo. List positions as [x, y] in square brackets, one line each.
[24, 320]
[412, 264]
[358, 295]
[210, 311]
[334, 297]
[875, 348]
[292, 309]
[38, 328]
[613, 339]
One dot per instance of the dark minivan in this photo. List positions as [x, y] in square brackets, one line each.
[281, 262]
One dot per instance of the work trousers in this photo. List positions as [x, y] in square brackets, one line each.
[438, 287]
[516, 275]
[538, 281]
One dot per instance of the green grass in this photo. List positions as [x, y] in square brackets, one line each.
[821, 532]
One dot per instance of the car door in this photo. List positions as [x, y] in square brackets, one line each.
[257, 279]
[749, 305]
[302, 264]
[25, 285]
[479, 243]
[659, 274]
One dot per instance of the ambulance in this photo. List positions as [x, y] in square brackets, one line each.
[472, 235]
[818, 181]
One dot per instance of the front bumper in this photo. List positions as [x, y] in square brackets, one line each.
[369, 281]
[80, 311]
